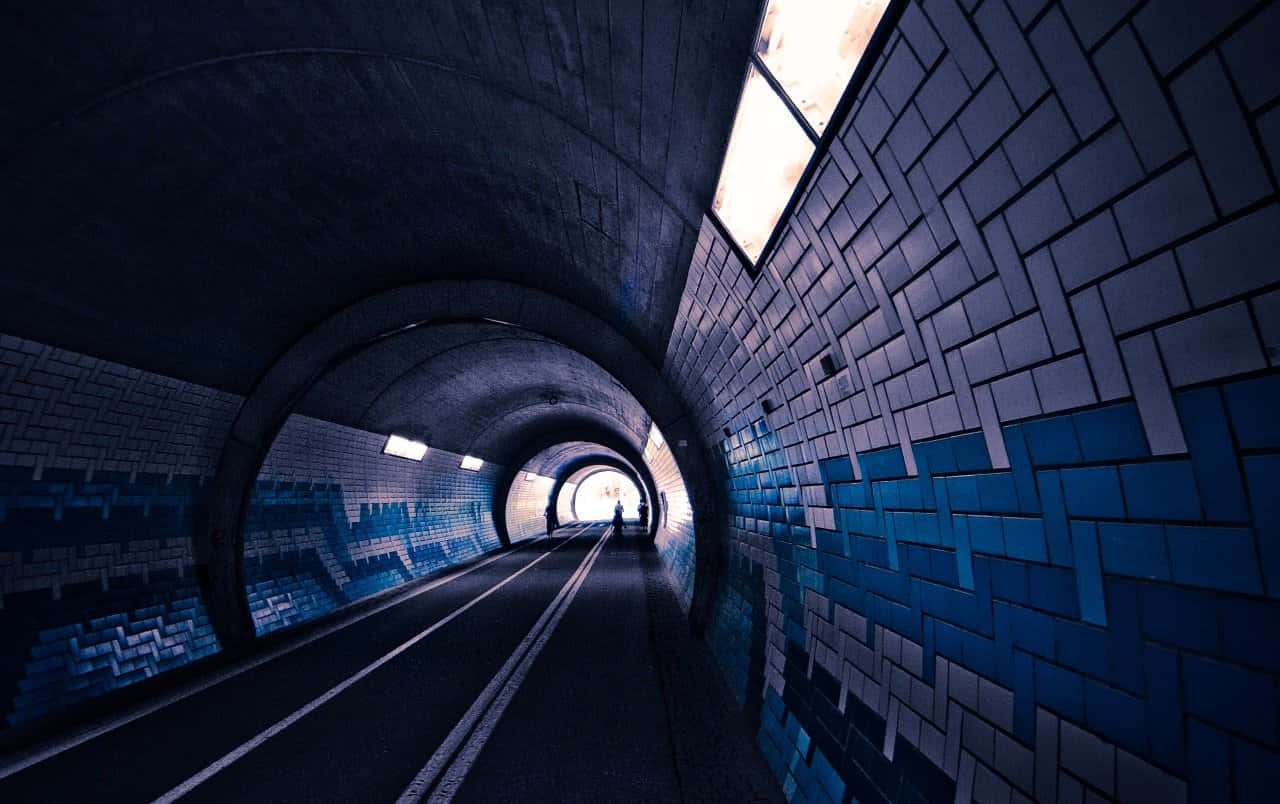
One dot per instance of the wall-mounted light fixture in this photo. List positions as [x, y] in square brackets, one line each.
[402, 447]
[471, 464]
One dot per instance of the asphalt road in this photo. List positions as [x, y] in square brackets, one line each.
[529, 678]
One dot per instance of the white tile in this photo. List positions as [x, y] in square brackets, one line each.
[1151, 392]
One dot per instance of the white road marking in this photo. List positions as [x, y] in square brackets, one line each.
[39, 753]
[336, 690]
[482, 717]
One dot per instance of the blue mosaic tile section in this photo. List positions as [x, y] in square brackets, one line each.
[339, 562]
[75, 662]
[1127, 593]
[800, 767]
[101, 593]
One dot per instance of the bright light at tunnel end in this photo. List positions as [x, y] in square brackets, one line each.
[471, 464]
[402, 447]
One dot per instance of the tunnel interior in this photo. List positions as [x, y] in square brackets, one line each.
[956, 426]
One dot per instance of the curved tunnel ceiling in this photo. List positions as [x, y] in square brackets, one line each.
[549, 462]
[475, 388]
[225, 178]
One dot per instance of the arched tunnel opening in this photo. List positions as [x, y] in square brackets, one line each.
[939, 338]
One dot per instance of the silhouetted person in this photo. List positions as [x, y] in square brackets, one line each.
[643, 510]
[552, 523]
[617, 519]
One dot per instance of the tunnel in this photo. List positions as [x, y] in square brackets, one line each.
[939, 338]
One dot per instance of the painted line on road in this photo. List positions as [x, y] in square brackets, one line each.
[448, 767]
[34, 755]
[266, 734]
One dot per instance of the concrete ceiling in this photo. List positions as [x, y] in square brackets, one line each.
[475, 388]
[549, 462]
[195, 187]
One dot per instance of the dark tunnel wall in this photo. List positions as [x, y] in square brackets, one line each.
[104, 479]
[333, 520]
[103, 482]
[1024, 541]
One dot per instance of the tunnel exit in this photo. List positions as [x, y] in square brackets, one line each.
[595, 497]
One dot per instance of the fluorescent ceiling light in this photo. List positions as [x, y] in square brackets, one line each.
[812, 47]
[767, 154]
[529, 477]
[471, 464]
[402, 447]
[655, 436]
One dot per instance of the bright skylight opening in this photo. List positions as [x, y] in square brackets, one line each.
[402, 447]
[529, 477]
[812, 47]
[805, 56]
[471, 464]
[768, 151]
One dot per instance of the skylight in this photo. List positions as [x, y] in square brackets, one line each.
[768, 150]
[471, 464]
[805, 55]
[812, 47]
[402, 447]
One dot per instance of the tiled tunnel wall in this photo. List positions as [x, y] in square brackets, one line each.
[527, 505]
[333, 520]
[564, 503]
[1024, 542]
[104, 476]
[674, 538]
[104, 471]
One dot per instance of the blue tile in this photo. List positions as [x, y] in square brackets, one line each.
[1117, 716]
[1249, 632]
[1179, 617]
[1263, 474]
[1060, 690]
[964, 552]
[1231, 697]
[1032, 631]
[1052, 441]
[962, 490]
[1209, 762]
[1204, 424]
[1111, 433]
[1055, 518]
[836, 470]
[1135, 550]
[1257, 772]
[1054, 589]
[1084, 539]
[1082, 647]
[882, 464]
[1024, 479]
[997, 494]
[986, 534]
[1161, 490]
[1024, 539]
[1216, 558]
[1252, 405]
[1164, 706]
[971, 453]
[1093, 492]
[1009, 581]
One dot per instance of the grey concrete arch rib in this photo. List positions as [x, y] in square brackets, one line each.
[641, 477]
[277, 392]
[632, 463]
